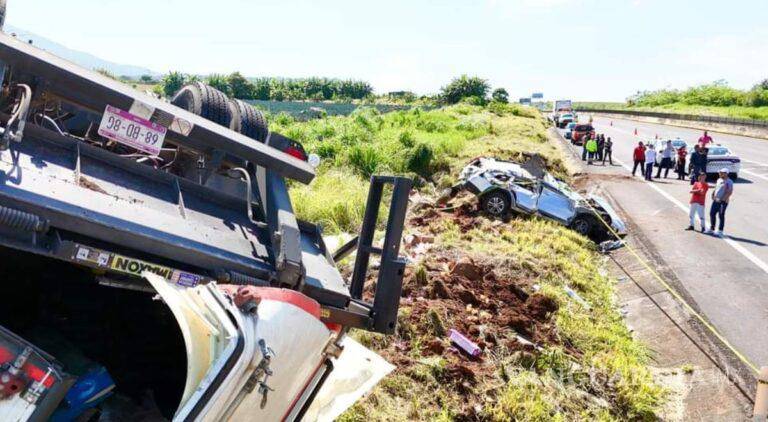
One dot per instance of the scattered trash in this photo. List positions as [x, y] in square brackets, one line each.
[610, 245]
[464, 343]
[575, 296]
[524, 341]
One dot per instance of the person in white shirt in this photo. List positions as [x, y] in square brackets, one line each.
[650, 158]
[666, 159]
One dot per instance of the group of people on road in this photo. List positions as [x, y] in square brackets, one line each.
[645, 156]
[597, 149]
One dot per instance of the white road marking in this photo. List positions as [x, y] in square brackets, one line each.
[752, 173]
[739, 248]
[754, 162]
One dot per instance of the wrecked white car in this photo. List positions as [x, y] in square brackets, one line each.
[504, 186]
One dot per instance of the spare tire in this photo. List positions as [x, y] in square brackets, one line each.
[249, 120]
[207, 102]
[2, 13]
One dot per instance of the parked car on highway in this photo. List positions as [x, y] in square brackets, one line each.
[564, 119]
[569, 130]
[660, 144]
[720, 157]
[503, 187]
[577, 137]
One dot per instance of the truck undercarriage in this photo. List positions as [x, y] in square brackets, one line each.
[151, 259]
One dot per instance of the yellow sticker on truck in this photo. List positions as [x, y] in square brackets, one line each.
[132, 266]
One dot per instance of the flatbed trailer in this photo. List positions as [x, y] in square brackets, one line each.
[205, 223]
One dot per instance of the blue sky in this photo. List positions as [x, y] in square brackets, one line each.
[580, 49]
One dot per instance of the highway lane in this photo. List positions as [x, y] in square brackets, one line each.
[726, 279]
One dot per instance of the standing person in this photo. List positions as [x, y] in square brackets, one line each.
[600, 147]
[698, 163]
[682, 153]
[650, 158]
[584, 141]
[698, 200]
[591, 150]
[721, 196]
[705, 140]
[666, 159]
[608, 151]
[638, 156]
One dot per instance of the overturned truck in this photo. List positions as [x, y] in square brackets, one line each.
[152, 265]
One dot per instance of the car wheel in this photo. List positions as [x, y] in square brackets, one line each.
[495, 203]
[582, 225]
[207, 102]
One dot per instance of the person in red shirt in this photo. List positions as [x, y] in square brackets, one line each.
[705, 139]
[638, 156]
[682, 153]
[698, 198]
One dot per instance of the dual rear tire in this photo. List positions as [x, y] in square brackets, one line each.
[212, 104]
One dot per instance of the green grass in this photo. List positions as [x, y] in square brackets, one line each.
[739, 112]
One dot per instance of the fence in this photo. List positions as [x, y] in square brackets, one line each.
[688, 117]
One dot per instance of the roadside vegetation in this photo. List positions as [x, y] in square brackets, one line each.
[714, 99]
[501, 284]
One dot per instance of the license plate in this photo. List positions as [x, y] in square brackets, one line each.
[133, 131]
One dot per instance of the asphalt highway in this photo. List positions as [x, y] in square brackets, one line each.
[725, 278]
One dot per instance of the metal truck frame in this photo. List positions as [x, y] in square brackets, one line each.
[70, 194]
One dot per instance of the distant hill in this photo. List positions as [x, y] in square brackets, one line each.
[83, 59]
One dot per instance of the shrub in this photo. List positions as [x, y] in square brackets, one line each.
[463, 87]
[365, 160]
[501, 95]
[420, 159]
[406, 139]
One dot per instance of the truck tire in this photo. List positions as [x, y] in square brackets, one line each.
[207, 102]
[495, 203]
[2, 13]
[583, 224]
[249, 120]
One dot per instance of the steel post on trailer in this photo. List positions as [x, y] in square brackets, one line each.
[390, 280]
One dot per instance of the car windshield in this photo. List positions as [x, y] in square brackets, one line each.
[677, 143]
[718, 151]
[571, 125]
[584, 128]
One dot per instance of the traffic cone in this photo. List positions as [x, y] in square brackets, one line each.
[635, 131]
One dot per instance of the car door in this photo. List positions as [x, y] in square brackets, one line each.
[526, 196]
[553, 204]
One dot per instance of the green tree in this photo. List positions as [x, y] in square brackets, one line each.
[500, 95]
[146, 79]
[173, 82]
[463, 87]
[241, 87]
[219, 82]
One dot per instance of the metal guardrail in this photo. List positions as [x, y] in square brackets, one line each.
[689, 117]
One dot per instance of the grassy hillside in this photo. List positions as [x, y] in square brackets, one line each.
[502, 284]
[735, 111]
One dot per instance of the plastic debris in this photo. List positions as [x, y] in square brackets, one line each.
[610, 245]
[575, 296]
[464, 343]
